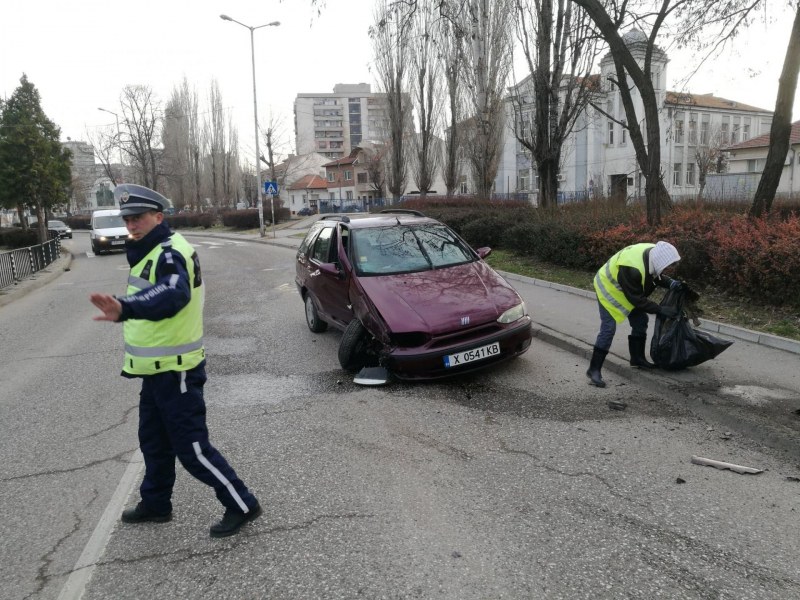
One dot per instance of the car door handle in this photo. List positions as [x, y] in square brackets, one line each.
[315, 273]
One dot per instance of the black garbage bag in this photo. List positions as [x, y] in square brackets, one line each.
[676, 344]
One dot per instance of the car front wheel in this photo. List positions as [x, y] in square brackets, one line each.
[313, 321]
[354, 347]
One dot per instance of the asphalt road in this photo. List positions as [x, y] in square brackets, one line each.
[518, 482]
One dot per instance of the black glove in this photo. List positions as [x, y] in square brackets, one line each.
[668, 312]
[690, 294]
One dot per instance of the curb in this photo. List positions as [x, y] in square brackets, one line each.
[37, 280]
[730, 331]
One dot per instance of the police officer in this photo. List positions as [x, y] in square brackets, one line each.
[162, 316]
[623, 285]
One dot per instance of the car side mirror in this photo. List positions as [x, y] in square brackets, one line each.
[484, 252]
[331, 269]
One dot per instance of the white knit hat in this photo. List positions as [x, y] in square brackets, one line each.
[662, 255]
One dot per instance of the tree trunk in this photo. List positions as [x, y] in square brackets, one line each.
[780, 132]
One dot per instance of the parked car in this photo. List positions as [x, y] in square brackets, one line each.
[410, 296]
[306, 211]
[108, 231]
[59, 228]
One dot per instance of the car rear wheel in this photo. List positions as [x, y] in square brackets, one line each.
[313, 321]
[354, 347]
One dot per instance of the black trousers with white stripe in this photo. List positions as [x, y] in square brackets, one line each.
[172, 424]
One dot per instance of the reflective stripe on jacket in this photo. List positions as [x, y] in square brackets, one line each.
[172, 344]
[609, 291]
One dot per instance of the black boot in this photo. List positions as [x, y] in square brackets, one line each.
[598, 358]
[636, 348]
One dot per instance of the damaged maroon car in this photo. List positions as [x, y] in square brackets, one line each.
[410, 296]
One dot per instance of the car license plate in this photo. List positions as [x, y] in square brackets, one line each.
[454, 360]
[117, 242]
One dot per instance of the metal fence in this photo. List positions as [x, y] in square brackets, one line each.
[22, 263]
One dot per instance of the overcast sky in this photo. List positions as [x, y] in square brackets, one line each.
[81, 54]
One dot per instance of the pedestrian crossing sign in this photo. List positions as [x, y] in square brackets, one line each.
[271, 187]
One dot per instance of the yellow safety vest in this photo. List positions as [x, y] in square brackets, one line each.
[172, 344]
[608, 289]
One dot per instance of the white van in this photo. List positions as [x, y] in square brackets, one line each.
[108, 231]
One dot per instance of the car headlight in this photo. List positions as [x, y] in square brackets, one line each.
[513, 314]
[103, 238]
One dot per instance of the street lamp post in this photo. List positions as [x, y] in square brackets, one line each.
[119, 134]
[255, 118]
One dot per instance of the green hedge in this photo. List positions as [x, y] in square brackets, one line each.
[15, 237]
[719, 245]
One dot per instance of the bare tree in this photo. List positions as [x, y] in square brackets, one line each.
[709, 158]
[275, 139]
[106, 142]
[559, 48]
[215, 134]
[390, 46]
[231, 172]
[488, 72]
[374, 155]
[451, 43]
[781, 129]
[427, 96]
[142, 115]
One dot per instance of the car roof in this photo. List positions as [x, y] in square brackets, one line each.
[387, 219]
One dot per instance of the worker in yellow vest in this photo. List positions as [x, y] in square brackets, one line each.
[162, 316]
[623, 286]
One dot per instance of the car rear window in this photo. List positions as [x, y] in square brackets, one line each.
[55, 224]
[407, 248]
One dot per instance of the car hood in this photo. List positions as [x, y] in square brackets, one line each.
[441, 300]
[112, 231]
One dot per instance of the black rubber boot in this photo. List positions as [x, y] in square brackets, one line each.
[598, 358]
[636, 347]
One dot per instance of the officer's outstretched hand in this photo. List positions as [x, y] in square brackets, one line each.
[110, 306]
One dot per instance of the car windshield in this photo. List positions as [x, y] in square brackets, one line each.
[55, 224]
[407, 248]
[109, 221]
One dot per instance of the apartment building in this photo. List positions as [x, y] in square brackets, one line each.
[598, 157]
[334, 124]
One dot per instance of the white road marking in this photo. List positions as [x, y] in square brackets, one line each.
[83, 570]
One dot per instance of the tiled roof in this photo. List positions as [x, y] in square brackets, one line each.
[709, 101]
[763, 140]
[347, 160]
[309, 182]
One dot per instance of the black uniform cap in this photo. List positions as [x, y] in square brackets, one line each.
[136, 199]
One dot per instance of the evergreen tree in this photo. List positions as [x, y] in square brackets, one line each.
[34, 166]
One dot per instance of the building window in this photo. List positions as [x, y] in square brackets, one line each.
[523, 176]
[679, 128]
[349, 195]
[676, 174]
[690, 174]
[331, 176]
[704, 128]
[735, 130]
[322, 145]
[623, 139]
[348, 176]
[692, 130]
[725, 131]
[611, 133]
[462, 185]
[362, 178]
[745, 129]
